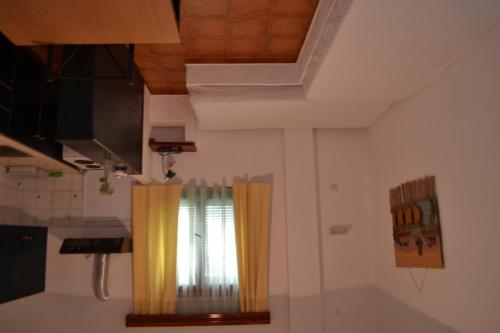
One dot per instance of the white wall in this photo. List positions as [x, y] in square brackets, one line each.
[224, 155]
[450, 129]
[302, 226]
[342, 163]
[68, 303]
[221, 157]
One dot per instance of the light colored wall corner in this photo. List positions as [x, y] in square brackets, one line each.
[304, 267]
[343, 194]
[173, 110]
[449, 129]
[164, 111]
[145, 177]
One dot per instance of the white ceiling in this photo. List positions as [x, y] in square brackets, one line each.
[387, 49]
[278, 107]
[356, 62]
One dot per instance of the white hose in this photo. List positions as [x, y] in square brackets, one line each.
[101, 263]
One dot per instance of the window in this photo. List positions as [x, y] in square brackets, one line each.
[207, 271]
[195, 281]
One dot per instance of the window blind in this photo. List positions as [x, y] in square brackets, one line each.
[207, 271]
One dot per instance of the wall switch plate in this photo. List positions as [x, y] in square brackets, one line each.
[340, 229]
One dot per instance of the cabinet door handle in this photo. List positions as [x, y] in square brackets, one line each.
[26, 237]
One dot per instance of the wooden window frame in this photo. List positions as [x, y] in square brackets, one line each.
[212, 319]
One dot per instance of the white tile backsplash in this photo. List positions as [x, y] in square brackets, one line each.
[63, 183]
[45, 184]
[24, 200]
[42, 200]
[10, 216]
[28, 184]
[58, 213]
[76, 200]
[9, 181]
[76, 214]
[77, 183]
[42, 214]
[11, 197]
[3, 195]
[62, 200]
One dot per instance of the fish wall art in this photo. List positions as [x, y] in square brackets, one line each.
[416, 225]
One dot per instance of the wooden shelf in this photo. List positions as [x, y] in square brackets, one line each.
[212, 319]
[185, 147]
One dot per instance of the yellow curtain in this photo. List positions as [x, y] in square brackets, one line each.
[251, 204]
[155, 211]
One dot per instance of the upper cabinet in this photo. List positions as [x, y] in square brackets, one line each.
[92, 102]
[28, 112]
[7, 56]
[36, 22]
[28, 104]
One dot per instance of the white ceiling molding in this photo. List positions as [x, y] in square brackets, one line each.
[241, 75]
[328, 19]
[245, 107]
[359, 57]
[247, 93]
[280, 113]
[323, 42]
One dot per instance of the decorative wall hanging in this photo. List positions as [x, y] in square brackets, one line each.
[416, 225]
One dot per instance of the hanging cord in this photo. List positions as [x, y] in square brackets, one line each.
[167, 161]
[163, 162]
[420, 286]
[106, 188]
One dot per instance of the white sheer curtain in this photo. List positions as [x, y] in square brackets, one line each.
[207, 271]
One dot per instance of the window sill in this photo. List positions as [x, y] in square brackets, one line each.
[212, 319]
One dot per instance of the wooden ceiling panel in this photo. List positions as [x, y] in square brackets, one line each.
[227, 31]
[284, 46]
[246, 48]
[155, 62]
[289, 27]
[167, 49]
[203, 8]
[248, 8]
[171, 88]
[208, 47]
[164, 75]
[145, 49]
[303, 8]
[249, 27]
[206, 27]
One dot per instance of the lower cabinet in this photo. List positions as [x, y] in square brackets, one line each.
[22, 261]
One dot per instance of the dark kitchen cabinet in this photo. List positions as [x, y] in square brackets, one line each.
[101, 115]
[7, 62]
[28, 104]
[22, 259]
